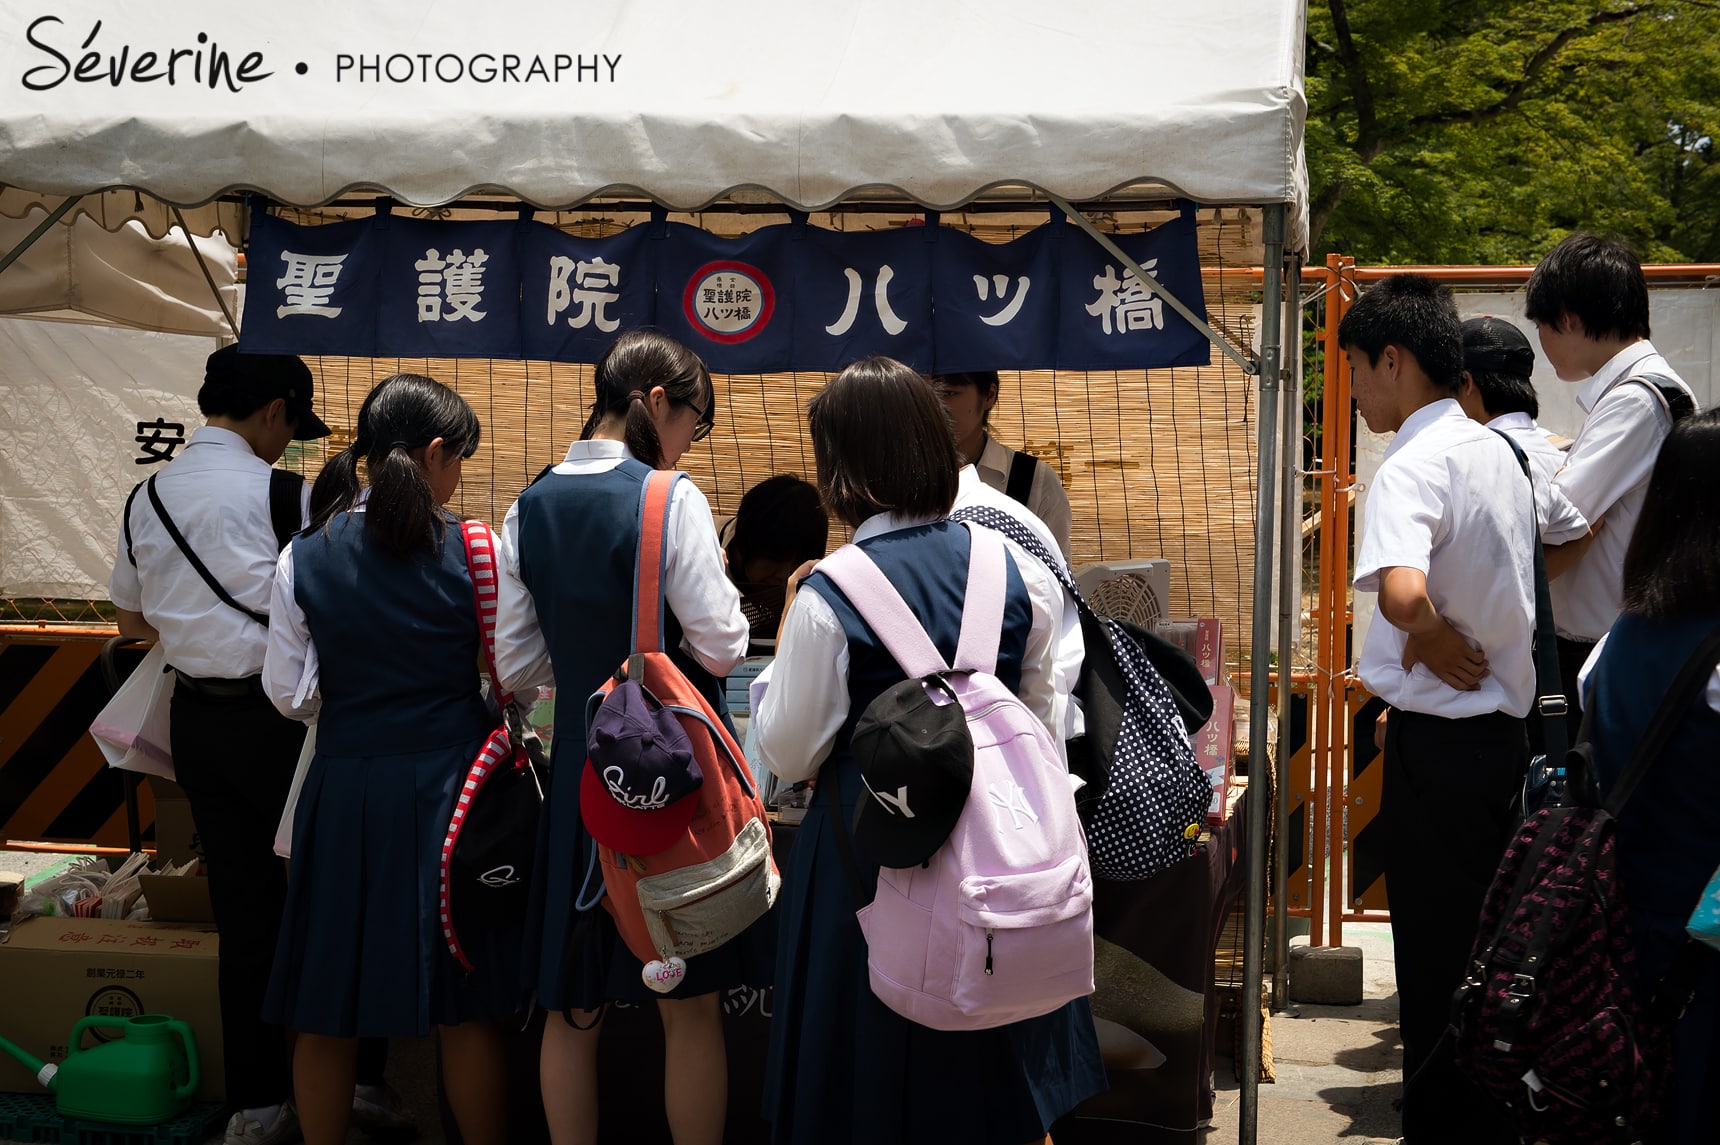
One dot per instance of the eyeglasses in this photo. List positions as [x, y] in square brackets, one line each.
[703, 419]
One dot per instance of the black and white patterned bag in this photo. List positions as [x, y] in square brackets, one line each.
[1146, 793]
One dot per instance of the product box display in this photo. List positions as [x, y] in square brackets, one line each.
[1215, 748]
[1203, 639]
[58, 970]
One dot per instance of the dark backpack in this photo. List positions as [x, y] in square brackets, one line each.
[1549, 1020]
[1146, 794]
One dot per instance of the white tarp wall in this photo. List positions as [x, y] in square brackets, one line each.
[809, 100]
[1686, 326]
[78, 398]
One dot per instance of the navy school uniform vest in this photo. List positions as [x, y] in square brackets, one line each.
[578, 544]
[927, 564]
[396, 641]
[1669, 832]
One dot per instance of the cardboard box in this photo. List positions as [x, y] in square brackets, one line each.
[1215, 748]
[54, 971]
[175, 831]
[1209, 650]
[178, 898]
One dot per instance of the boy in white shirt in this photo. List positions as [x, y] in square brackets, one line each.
[1589, 302]
[1447, 542]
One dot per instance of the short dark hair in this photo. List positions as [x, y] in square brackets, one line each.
[779, 519]
[985, 381]
[1503, 393]
[1414, 313]
[1597, 279]
[1672, 565]
[882, 441]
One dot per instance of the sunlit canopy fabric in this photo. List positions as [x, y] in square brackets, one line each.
[807, 101]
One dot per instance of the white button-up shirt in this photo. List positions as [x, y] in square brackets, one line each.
[1046, 498]
[1451, 501]
[1606, 472]
[800, 700]
[217, 492]
[697, 590]
[1556, 516]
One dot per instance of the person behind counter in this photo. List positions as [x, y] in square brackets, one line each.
[970, 398]
[779, 525]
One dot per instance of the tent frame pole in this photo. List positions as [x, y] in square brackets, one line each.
[1289, 552]
[54, 216]
[1259, 760]
[203, 265]
[1240, 357]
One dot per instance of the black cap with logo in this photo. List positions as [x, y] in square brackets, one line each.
[230, 373]
[916, 759]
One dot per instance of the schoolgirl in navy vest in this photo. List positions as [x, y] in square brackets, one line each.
[842, 1067]
[564, 613]
[373, 634]
[1669, 832]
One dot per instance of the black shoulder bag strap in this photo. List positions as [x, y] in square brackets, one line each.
[286, 505]
[196, 561]
[125, 522]
[1549, 686]
[1021, 469]
[1678, 403]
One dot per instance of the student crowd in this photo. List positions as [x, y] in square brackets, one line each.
[369, 629]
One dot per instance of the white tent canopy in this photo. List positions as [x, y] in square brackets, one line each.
[808, 101]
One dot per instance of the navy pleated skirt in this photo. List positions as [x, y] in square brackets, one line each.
[843, 1067]
[361, 952]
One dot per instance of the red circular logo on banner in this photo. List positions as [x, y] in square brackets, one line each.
[728, 301]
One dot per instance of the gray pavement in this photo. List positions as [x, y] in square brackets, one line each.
[1339, 1068]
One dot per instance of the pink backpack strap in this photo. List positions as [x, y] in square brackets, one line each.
[982, 610]
[894, 623]
[481, 557]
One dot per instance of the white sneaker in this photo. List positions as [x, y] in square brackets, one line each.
[377, 1110]
[242, 1130]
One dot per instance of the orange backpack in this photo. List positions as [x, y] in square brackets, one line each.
[718, 875]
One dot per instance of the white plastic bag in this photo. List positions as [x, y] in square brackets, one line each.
[284, 832]
[134, 730]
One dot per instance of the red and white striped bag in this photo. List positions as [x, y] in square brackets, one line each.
[491, 842]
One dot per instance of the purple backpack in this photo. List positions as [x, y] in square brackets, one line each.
[1549, 1020]
[997, 926]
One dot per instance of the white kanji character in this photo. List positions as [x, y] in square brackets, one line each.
[465, 279]
[593, 303]
[1134, 305]
[1007, 315]
[880, 299]
[308, 284]
[429, 270]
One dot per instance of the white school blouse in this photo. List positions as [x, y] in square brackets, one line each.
[1451, 501]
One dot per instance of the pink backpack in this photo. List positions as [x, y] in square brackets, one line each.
[997, 926]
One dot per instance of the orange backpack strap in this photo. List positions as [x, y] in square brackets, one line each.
[648, 605]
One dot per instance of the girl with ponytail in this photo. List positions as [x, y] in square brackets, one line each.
[564, 611]
[374, 635]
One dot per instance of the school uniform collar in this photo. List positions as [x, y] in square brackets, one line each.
[880, 523]
[223, 438]
[1506, 422]
[1427, 415]
[596, 448]
[994, 455]
[1619, 367]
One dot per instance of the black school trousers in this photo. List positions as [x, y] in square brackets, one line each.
[235, 756]
[1447, 801]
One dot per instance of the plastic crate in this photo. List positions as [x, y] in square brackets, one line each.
[31, 1117]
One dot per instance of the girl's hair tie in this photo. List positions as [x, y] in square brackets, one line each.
[636, 395]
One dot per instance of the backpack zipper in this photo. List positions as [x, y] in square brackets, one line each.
[988, 950]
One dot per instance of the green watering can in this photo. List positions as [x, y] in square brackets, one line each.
[143, 1077]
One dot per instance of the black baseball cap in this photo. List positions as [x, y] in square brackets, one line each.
[230, 372]
[916, 760]
[1494, 346]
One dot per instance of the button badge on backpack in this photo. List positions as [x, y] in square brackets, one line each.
[663, 975]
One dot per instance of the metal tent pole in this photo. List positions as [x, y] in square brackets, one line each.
[1290, 551]
[54, 216]
[1254, 921]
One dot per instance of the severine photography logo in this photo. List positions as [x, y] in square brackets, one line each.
[60, 53]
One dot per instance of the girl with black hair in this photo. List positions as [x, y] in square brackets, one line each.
[1669, 832]
[564, 612]
[374, 635]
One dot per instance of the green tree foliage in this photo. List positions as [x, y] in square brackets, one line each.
[1484, 131]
